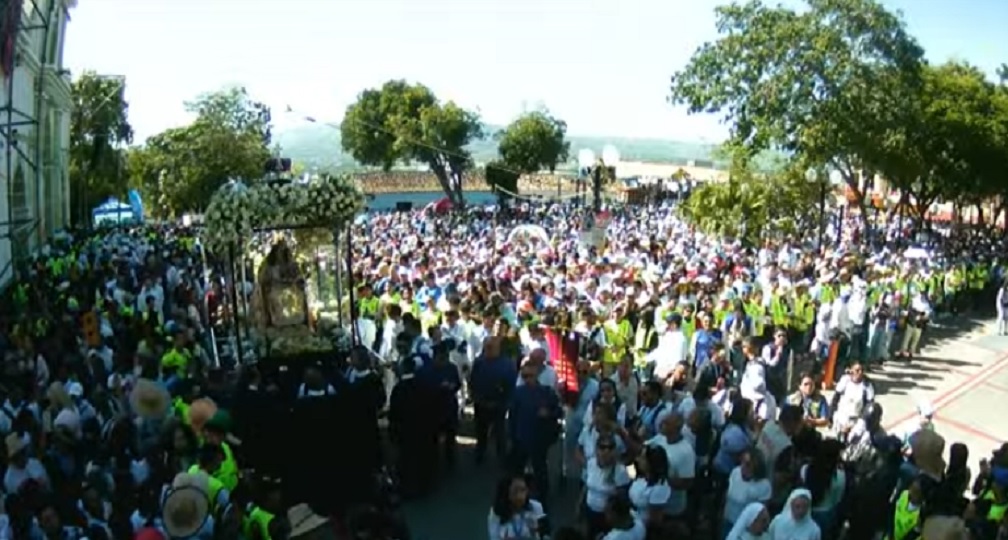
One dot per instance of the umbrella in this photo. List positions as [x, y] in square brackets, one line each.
[916, 253]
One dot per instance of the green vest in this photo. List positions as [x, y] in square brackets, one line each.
[997, 511]
[257, 520]
[215, 486]
[904, 519]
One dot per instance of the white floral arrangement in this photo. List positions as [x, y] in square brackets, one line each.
[237, 210]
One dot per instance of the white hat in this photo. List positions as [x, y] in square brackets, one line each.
[75, 389]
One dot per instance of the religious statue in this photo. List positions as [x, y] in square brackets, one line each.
[282, 289]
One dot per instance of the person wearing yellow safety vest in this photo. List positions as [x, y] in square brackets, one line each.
[992, 503]
[906, 514]
[176, 360]
[802, 316]
[216, 432]
[645, 341]
[618, 333]
[210, 458]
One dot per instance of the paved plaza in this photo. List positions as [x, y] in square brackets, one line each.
[965, 379]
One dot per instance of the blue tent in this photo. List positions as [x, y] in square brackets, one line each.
[111, 212]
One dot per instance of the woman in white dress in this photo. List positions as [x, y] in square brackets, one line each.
[751, 524]
[795, 521]
[514, 516]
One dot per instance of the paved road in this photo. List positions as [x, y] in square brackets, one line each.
[962, 372]
[965, 379]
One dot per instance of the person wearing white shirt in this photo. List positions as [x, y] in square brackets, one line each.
[857, 310]
[681, 461]
[650, 492]
[747, 483]
[840, 314]
[622, 523]
[605, 476]
[547, 375]
[672, 348]
[21, 468]
[514, 516]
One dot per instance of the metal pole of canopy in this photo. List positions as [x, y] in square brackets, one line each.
[354, 330]
[239, 348]
[206, 305]
[338, 249]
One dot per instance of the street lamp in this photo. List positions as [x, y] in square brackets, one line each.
[836, 179]
[812, 177]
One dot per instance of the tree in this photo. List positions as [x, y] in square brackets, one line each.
[805, 82]
[406, 123]
[948, 140]
[182, 167]
[501, 178]
[534, 142]
[752, 206]
[99, 126]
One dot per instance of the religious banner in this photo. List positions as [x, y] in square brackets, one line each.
[564, 347]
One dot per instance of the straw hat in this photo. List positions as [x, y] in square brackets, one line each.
[303, 520]
[927, 449]
[149, 399]
[200, 412]
[187, 505]
[15, 444]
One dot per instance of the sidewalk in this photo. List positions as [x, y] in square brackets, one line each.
[963, 374]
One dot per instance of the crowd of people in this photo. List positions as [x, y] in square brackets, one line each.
[678, 374]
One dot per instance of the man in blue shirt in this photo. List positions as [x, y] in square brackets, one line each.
[491, 384]
[429, 291]
[534, 416]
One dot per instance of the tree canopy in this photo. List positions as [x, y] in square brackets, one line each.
[754, 206]
[842, 84]
[534, 142]
[182, 167]
[99, 129]
[402, 122]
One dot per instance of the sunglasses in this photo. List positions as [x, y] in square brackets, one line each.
[606, 447]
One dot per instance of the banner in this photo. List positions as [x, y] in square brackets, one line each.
[564, 347]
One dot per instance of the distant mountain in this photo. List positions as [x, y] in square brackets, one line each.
[317, 146]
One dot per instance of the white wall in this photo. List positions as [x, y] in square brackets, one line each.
[46, 182]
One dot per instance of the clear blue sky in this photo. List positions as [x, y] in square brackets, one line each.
[602, 65]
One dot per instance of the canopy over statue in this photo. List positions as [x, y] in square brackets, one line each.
[275, 228]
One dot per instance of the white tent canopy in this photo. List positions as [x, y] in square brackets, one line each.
[112, 211]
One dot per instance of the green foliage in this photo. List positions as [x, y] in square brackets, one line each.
[804, 81]
[502, 179]
[180, 168]
[754, 206]
[406, 123]
[99, 126]
[534, 142]
[948, 141]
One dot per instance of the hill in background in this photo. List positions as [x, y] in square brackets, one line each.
[317, 146]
